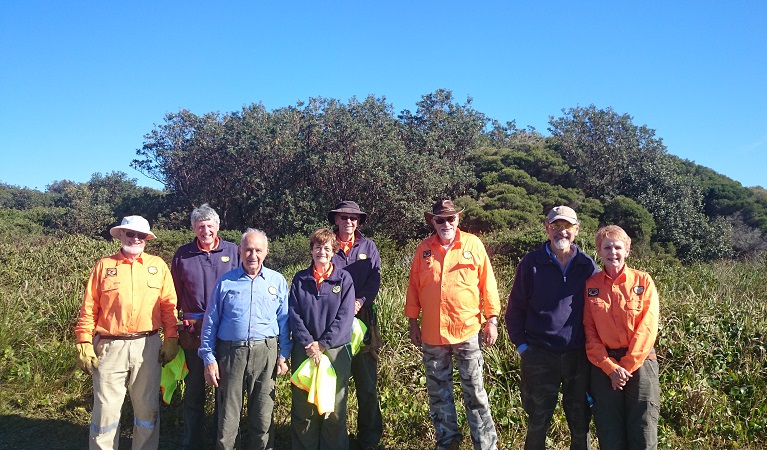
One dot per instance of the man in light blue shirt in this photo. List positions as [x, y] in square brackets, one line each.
[246, 342]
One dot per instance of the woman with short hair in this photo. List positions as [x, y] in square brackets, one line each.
[321, 312]
[621, 325]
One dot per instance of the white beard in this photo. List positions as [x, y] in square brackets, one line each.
[562, 244]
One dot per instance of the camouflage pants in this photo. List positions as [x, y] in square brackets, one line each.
[438, 360]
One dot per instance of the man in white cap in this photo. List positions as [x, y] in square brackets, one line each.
[128, 298]
[544, 319]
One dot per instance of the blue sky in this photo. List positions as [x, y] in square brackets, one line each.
[81, 83]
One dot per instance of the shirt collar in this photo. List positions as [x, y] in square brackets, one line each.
[242, 273]
[124, 259]
[215, 245]
[347, 246]
[320, 277]
[455, 244]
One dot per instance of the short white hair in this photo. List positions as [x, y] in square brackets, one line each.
[256, 231]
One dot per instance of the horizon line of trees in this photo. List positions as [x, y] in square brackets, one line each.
[281, 170]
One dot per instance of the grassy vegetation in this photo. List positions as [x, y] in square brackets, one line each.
[711, 347]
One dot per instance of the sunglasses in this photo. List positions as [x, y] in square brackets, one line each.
[352, 218]
[559, 227]
[441, 220]
[132, 234]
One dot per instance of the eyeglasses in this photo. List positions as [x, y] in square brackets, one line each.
[560, 227]
[132, 234]
[441, 220]
[352, 218]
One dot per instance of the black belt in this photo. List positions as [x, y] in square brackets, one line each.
[244, 343]
[619, 353]
[129, 337]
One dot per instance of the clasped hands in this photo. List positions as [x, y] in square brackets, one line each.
[619, 377]
[314, 351]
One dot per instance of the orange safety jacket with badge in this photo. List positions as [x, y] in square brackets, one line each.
[620, 313]
[451, 289]
[124, 298]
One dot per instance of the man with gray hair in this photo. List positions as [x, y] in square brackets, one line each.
[544, 319]
[246, 343]
[195, 268]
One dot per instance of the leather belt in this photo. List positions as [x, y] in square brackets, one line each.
[243, 343]
[129, 337]
[619, 353]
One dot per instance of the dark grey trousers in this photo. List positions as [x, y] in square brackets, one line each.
[627, 419]
[369, 420]
[543, 372]
[310, 430]
[195, 435]
[246, 370]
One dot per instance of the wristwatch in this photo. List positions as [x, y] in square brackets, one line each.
[493, 320]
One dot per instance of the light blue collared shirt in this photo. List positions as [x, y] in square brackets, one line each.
[242, 308]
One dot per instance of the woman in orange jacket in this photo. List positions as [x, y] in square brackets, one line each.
[621, 324]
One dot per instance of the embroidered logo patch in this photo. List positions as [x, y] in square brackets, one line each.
[111, 271]
[467, 254]
[225, 259]
[152, 270]
[426, 253]
[272, 290]
[639, 290]
[336, 289]
[593, 292]
[363, 256]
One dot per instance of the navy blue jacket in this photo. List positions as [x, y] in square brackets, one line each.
[195, 273]
[325, 316]
[546, 305]
[364, 265]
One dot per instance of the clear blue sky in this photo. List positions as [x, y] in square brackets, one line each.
[81, 83]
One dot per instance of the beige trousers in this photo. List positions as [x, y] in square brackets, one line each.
[132, 366]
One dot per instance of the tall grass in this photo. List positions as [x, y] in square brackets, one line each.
[711, 348]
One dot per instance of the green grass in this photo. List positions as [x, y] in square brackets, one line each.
[711, 347]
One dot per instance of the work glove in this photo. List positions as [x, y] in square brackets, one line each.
[86, 357]
[168, 351]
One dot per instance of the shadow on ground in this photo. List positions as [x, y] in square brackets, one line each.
[18, 432]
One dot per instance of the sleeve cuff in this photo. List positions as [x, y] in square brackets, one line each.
[208, 358]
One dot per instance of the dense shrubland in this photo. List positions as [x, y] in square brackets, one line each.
[281, 169]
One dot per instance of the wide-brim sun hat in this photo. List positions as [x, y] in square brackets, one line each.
[133, 223]
[562, 213]
[349, 207]
[442, 208]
